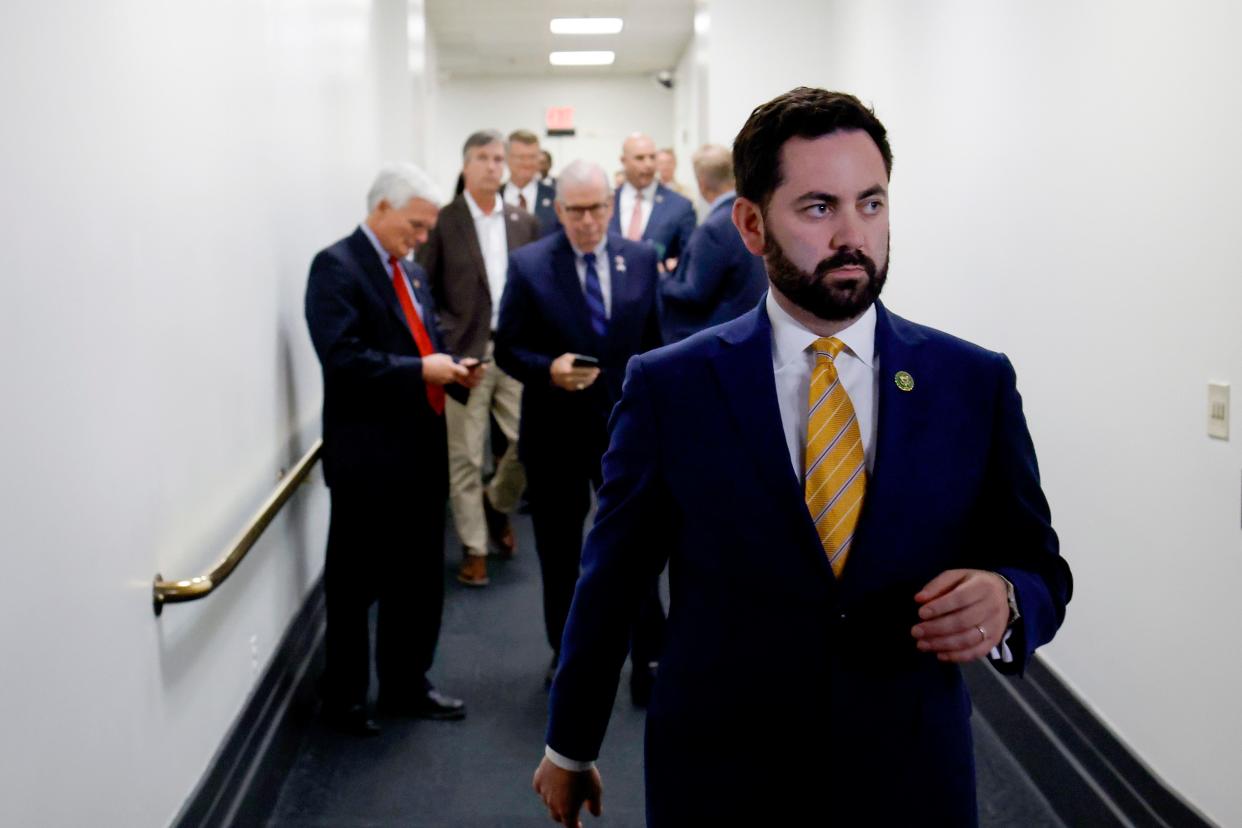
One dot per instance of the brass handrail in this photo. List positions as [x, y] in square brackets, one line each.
[176, 592]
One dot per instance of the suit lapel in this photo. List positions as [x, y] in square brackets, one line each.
[657, 213]
[903, 417]
[466, 234]
[744, 370]
[565, 273]
[379, 279]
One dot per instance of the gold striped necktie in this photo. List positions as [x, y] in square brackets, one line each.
[836, 471]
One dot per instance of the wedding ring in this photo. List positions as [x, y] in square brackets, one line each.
[581, 385]
[983, 635]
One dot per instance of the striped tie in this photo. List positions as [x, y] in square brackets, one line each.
[836, 473]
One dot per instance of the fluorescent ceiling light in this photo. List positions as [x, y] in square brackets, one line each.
[586, 25]
[582, 58]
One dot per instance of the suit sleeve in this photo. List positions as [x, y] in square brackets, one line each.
[338, 331]
[1021, 522]
[431, 258]
[685, 229]
[517, 331]
[700, 271]
[622, 555]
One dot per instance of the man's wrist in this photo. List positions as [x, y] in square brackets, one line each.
[565, 763]
[1011, 598]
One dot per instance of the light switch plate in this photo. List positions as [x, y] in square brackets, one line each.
[1218, 410]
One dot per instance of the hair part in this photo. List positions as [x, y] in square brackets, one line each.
[804, 112]
[713, 164]
[482, 138]
[581, 172]
[397, 183]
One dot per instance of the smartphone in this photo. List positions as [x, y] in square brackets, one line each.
[584, 361]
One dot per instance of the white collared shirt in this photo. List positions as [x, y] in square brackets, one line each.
[792, 363]
[531, 191]
[626, 207]
[494, 245]
[602, 268]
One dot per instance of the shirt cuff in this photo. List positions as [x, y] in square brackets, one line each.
[1001, 652]
[565, 763]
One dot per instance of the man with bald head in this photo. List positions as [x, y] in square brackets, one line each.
[646, 210]
[717, 278]
[577, 305]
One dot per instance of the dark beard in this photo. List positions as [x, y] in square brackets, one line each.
[813, 293]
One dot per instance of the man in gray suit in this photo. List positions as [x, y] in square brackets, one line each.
[466, 258]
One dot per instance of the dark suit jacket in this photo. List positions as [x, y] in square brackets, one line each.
[855, 724]
[544, 314]
[544, 209]
[454, 264]
[717, 278]
[379, 430]
[668, 228]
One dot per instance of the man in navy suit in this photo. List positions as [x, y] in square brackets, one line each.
[526, 187]
[717, 278]
[859, 601]
[580, 293]
[646, 210]
[385, 456]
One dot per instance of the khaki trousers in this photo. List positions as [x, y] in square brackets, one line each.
[468, 427]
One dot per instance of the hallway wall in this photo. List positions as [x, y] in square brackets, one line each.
[607, 109]
[169, 170]
[1064, 190]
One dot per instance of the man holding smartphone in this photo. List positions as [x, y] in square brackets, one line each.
[577, 305]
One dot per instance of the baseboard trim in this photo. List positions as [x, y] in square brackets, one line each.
[1087, 774]
[262, 745]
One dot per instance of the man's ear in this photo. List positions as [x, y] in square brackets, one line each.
[748, 219]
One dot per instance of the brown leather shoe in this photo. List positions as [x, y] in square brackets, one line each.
[499, 530]
[473, 571]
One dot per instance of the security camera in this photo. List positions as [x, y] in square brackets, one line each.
[665, 78]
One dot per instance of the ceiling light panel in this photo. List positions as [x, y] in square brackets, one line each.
[586, 25]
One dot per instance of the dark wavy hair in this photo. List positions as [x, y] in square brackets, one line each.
[799, 113]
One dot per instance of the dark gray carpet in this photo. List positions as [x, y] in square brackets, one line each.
[476, 773]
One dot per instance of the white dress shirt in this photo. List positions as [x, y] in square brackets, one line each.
[494, 244]
[626, 207]
[531, 191]
[601, 268]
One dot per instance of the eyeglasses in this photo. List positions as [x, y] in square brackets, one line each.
[578, 212]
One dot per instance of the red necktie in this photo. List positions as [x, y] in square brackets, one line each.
[435, 393]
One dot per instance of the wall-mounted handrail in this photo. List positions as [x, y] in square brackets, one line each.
[175, 592]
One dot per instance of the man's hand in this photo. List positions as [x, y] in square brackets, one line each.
[964, 614]
[564, 792]
[566, 376]
[440, 369]
[475, 371]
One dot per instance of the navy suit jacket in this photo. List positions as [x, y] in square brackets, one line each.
[668, 228]
[379, 430]
[717, 278]
[544, 208]
[544, 314]
[775, 675]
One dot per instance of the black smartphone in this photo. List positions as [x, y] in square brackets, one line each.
[584, 361]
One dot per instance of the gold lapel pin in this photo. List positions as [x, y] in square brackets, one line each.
[417, 284]
[904, 381]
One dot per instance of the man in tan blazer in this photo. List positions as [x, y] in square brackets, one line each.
[466, 258]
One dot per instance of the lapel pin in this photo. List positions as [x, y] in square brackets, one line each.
[513, 217]
[618, 264]
[417, 284]
[659, 199]
[546, 202]
[904, 381]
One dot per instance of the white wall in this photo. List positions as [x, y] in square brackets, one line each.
[607, 109]
[1064, 190]
[169, 168]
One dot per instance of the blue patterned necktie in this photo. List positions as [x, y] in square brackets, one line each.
[595, 296]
